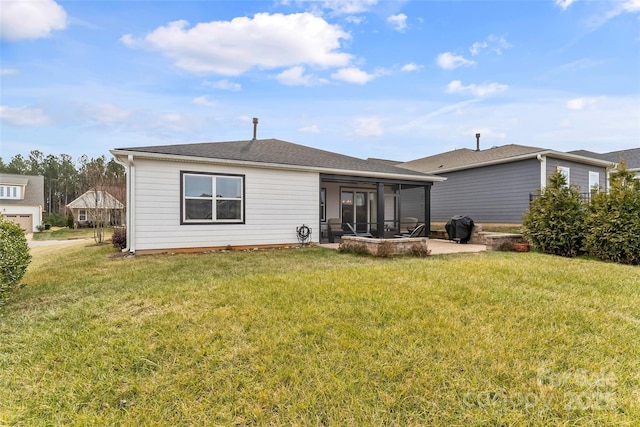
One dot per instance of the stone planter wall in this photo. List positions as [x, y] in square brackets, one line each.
[386, 247]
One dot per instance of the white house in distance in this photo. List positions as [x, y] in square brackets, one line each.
[96, 206]
[22, 200]
[257, 193]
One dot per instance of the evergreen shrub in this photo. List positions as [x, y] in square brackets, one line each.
[613, 220]
[14, 257]
[554, 221]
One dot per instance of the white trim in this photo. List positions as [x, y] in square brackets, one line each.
[593, 174]
[538, 154]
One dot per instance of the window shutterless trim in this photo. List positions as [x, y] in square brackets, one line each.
[213, 199]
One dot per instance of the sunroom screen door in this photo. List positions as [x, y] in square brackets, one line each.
[355, 208]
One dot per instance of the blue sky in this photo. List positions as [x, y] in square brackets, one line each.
[371, 78]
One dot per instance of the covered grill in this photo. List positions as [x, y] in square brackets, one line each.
[459, 228]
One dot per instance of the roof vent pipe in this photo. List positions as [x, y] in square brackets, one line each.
[255, 128]
[477, 142]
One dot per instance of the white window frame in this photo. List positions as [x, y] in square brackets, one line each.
[213, 198]
[594, 176]
[11, 192]
[82, 215]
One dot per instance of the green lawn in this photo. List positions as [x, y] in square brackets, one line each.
[315, 337]
[65, 233]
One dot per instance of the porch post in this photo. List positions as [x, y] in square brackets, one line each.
[380, 212]
[427, 210]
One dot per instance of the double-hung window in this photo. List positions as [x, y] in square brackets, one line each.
[212, 198]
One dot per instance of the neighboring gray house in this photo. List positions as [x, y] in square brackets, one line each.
[256, 193]
[495, 185]
[631, 157]
[96, 206]
[22, 199]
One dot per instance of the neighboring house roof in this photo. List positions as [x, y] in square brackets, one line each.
[384, 161]
[96, 199]
[631, 156]
[275, 152]
[467, 159]
[34, 189]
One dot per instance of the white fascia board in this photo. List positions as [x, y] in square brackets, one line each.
[277, 166]
[552, 153]
[578, 159]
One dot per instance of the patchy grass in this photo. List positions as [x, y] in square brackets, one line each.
[65, 233]
[314, 337]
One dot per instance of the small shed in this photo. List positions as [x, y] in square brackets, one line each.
[96, 207]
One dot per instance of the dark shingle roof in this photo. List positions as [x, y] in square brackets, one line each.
[274, 151]
[465, 157]
[631, 156]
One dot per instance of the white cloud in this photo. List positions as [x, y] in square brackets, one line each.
[631, 6]
[23, 116]
[264, 41]
[8, 71]
[477, 47]
[347, 7]
[28, 20]
[456, 86]
[353, 75]
[449, 61]
[104, 113]
[564, 4]
[398, 22]
[495, 44]
[128, 40]
[581, 103]
[357, 20]
[295, 76]
[223, 85]
[204, 101]
[412, 66]
[368, 126]
[310, 129]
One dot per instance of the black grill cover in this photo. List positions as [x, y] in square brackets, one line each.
[459, 228]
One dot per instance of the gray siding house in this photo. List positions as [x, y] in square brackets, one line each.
[631, 157]
[496, 185]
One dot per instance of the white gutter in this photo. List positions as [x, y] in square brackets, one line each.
[246, 163]
[130, 176]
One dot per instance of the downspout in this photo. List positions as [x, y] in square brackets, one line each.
[130, 176]
[543, 170]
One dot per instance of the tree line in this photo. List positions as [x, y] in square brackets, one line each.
[66, 179]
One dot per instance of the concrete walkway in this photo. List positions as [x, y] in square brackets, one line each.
[437, 246]
[37, 243]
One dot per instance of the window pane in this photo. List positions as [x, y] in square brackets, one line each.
[198, 186]
[228, 187]
[197, 209]
[228, 209]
